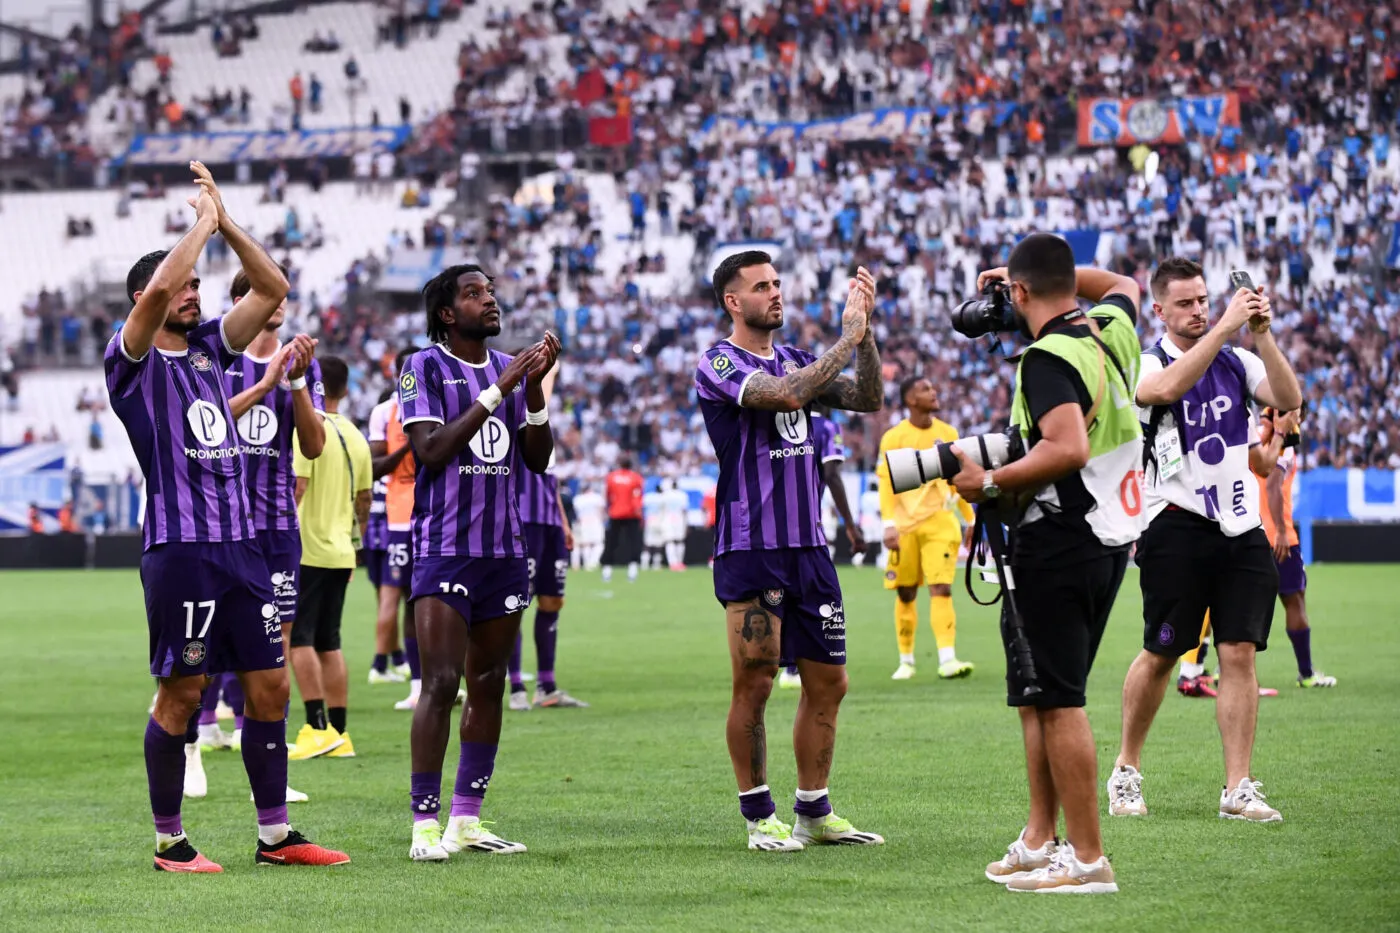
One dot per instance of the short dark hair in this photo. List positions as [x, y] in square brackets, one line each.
[728, 270]
[1174, 269]
[440, 292]
[335, 376]
[142, 272]
[1044, 263]
[908, 384]
[240, 285]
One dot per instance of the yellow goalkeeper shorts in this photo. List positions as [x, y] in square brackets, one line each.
[925, 556]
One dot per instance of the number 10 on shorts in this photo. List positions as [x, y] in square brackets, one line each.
[207, 607]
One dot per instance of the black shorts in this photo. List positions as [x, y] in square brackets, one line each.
[1188, 567]
[1064, 611]
[622, 543]
[319, 606]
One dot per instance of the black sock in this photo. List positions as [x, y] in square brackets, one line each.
[381, 663]
[316, 713]
[337, 714]
[396, 657]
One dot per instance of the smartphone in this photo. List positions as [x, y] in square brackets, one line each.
[1240, 279]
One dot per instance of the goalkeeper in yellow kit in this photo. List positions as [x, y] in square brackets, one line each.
[922, 534]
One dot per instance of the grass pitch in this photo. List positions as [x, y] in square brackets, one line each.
[629, 809]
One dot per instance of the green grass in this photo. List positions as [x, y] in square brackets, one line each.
[629, 807]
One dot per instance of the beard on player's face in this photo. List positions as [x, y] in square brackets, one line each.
[183, 319]
[765, 316]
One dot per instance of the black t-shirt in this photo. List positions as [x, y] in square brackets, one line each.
[1062, 536]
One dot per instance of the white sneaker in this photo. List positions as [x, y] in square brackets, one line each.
[1066, 874]
[293, 796]
[787, 681]
[1020, 861]
[223, 711]
[771, 834]
[403, 670]
[467, 832]
[196, 784]
[832, 830]
[520, 701]
[235, 740]
[1246, 802]
[212, 738]
[558, 699]
[409, 702]
[427, 842]
[1125, 792]
[905, 671]
[389, 676]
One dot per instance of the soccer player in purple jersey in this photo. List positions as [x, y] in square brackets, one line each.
[772, 571]
[209, 598]
[466, 408]
[548, 541]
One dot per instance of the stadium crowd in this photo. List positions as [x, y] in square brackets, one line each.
[1303, 189]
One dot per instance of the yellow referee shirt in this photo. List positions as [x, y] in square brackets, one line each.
[930, 504]
[327, 509]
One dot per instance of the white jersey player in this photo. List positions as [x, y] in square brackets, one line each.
[870, 523]
[653, 531]
[588, 529]
[675, 506]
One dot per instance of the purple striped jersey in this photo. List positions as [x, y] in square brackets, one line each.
[539, 497]
[176, 413]
[265, 432]
[469, 508]
[376, 536]
[769, 491]
[828, 441]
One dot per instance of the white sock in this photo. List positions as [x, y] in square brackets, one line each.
[273, 834]
[607, 574]
[632, 571]
[209, 730]
[166, 840]
[906, 659]
[809, 796]
[1192, 670]
[947, 654]
[415, 687]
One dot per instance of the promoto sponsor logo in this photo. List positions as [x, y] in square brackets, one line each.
[479, 469]
[223, 454]
[260, 451]
[782, 453]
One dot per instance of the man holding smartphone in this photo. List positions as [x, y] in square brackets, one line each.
[1204, 548]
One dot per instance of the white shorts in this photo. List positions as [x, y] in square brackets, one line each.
[675, 531]
[588, 535]
[654, 536]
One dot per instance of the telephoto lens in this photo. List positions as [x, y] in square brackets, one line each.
[910, 468]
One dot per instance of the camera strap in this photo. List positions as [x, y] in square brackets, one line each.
[1104, 354]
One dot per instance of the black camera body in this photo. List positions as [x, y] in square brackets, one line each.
[989, 314]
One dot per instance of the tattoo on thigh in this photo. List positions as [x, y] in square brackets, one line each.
[758, 752]
[758, 625]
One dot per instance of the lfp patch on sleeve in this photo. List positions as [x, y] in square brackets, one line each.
[408, 388]
[722, 365]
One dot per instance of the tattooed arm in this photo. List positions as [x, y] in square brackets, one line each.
[865, 391]
[795, 390]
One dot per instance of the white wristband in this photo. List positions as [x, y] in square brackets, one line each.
[537, 417]
[299, 383]
[490, 397]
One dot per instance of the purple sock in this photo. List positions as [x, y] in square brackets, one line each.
[165, 776]
[516, 680]
[410, 650]
[396, 658]
[425, 790]
[233, 696]
[473, 775]
[265, 760]
[792, 669]
[546, 641]
[812, 808]
[1302, 650]
[381, 663]
[757, 804]
[209, 701]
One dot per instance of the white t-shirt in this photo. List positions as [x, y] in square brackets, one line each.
[654, 520]
[674, 506]
[588, 512]
[1214, 479]
[379, 420]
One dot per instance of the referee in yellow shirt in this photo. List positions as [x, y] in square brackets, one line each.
[922, 535]
[333, 497]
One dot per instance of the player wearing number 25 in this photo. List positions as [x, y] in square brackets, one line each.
[1204, 549]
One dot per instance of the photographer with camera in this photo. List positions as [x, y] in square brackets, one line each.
[1204, 549]
[1078, 485]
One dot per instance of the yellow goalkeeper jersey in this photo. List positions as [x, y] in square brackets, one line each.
[931, 503]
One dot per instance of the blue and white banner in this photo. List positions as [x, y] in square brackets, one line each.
[408, 270]
[886, 123]
[33, 474]
[258, 145]
[1352, 495]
